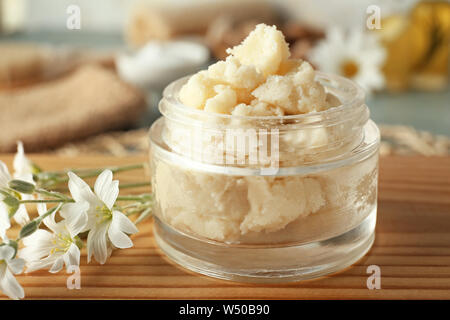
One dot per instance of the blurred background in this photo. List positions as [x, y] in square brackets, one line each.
[82, 76]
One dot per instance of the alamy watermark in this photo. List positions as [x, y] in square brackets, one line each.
[374, 280]
[74, 280]
[373, 21]
[73, 21]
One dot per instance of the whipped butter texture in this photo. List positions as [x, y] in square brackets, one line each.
[257, 79]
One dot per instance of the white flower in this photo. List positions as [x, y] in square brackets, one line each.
[51, 250]
[4, 214]
[5, 177]
[357, 55]
[23, 168]
[5, 224]
[8, 267]
[107, 227]
[21, 215]
[4, 218]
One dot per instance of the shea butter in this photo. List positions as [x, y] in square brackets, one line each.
[263, 78]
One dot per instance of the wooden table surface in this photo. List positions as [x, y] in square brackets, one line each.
[412, 248]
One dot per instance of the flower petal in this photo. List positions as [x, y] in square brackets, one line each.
[57, 265]
[41, 208]
[75, 215]
[80, 190]
[38, 238]
[50, 220]
[5, 224]
[6, 253]
[5, 238]
[16, 265]
[37, 245]
[21, 215]
[97, 244]
[119, 225]
[10, 286]
[19, 162]
[22, 166]
[106, 189]
[123, 223]
[4, 174]
[119, 239]
[45, 263]
[72, 256]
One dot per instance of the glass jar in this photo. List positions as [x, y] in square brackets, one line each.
[265, 199]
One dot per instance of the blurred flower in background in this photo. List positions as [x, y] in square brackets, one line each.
[410, 50]
[356, 55]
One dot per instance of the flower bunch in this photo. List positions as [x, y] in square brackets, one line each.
[81, 215]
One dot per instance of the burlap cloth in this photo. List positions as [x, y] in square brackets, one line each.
[88, 101]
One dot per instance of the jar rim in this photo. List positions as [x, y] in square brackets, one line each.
[170, 94]
[364, 150]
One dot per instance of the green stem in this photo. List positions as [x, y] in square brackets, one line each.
[134, 185]
[52, 194]
[86, 173]
[49, 212]
[131, 205]
[57, 177]
[143, 215]
[129, 198]
[47, 201]
[121, 186]
[96, 172]
[66, 200]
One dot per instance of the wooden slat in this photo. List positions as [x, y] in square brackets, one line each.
[412, 248]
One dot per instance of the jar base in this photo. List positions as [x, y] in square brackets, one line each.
[267, 264]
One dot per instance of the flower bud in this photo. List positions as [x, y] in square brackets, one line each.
[12, 204]
[29, 229]
[21, 186]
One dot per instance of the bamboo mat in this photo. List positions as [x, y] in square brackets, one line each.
[412, 248]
